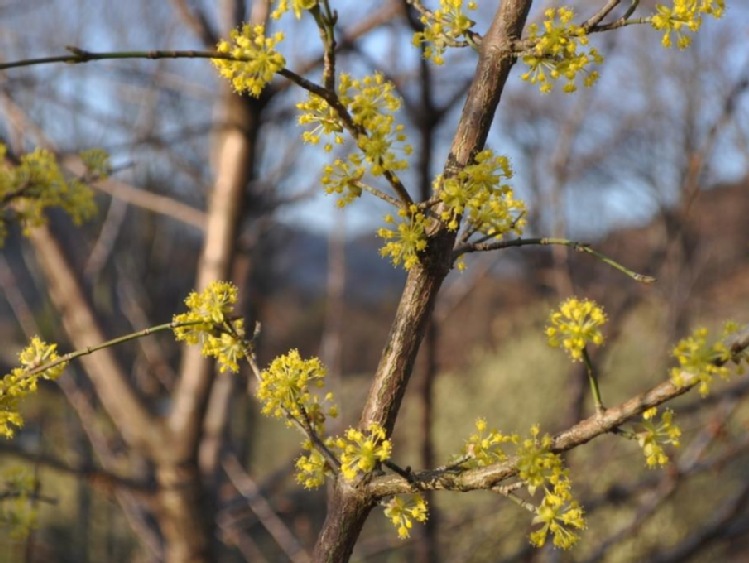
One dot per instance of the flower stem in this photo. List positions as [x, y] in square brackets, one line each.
[593, 381]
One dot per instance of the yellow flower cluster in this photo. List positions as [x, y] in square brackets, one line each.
[371, 103]
[484, 448]
[312, 468]
[683, 16]
[443, 27]
[209, 322]
[407, 239]
[361, 451]
[38, 183]
[654, 436]
[560, 51]
[20, 382]
[344, 178]
[538, 466]
[539, 469]
[576, 323]
[298, 6]
[560, 515]
[477, 192]
[403, 510]
[700, 359]
[285, 388]
[256, 60]
[325, 120]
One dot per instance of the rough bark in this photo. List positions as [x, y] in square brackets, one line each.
[349, 505]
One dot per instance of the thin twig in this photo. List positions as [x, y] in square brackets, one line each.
[70, 356]
[547, 241]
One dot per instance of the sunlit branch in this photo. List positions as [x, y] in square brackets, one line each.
[581, 433]
[378, 193]
[547, 241]
[108, 344]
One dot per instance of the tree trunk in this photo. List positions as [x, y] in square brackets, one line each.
[350, 504]
[183, 521]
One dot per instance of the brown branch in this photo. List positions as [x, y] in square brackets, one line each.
[581, 433]
[350, 505]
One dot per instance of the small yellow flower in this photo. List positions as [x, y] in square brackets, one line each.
[312, 468]
[478, 193]
[21, 382]
[561, 517]
[298, 6]
[561, 51]
[407, 240]
[444, 27]
[484, 448]
[700, 359]
[37, 183]
[403, 510]
[575, 324]
[683, 17]
[257, 63]
[285, 385]
[653, 436]
[362, 451]
[537, 466]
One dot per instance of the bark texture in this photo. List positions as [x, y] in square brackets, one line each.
[349, 505]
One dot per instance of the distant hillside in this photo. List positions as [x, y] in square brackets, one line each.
[699, 253]
[304, 266]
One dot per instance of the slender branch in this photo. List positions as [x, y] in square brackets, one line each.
[326, 20]
[600, 15]
[70, 356]
[581, 433]
[378, 193]
[593, 381]
[547, 241]
[82, 56]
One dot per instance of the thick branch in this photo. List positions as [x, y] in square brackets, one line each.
[350, 506]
